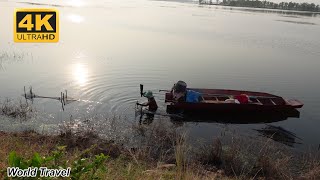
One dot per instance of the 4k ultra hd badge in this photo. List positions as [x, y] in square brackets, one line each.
[36, 25]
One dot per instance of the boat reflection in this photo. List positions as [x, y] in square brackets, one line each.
[238, 118]
[227, 118]
[275, 133]
[279, 134]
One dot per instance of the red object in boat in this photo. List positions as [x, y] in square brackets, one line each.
[242, 98]
[214, 101]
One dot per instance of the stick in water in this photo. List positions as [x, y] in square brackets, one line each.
[141, 89]
[30, 90]
[64, 101]
[25, 94]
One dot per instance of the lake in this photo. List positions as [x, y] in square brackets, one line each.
[108, 48]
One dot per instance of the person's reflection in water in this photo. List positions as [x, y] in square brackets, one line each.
[148, 120]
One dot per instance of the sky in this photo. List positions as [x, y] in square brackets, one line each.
[74, 1]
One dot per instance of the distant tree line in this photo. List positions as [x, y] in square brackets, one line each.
[271, 5]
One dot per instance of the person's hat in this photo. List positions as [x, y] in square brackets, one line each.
[180, 86]
[148, 94]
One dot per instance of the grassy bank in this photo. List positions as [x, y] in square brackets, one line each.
[121, 164]
[158, 151]
[167, 155]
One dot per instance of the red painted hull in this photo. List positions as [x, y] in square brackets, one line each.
[260, 102]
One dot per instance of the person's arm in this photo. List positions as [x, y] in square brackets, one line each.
[143, 104]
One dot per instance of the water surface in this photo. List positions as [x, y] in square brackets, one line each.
[107, 48]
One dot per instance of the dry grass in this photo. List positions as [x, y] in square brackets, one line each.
[25, 143]
[180, 151]
[253, 159]
[14, 55]
[163, 152]
[122, 166]
[155, 143]
[310, 166]
[16, 110]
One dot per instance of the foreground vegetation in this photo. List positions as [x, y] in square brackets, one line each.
[162, 156]
[87, 157]
[267, 4]
[159, 151]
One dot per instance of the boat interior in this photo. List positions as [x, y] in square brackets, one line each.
[252, 100]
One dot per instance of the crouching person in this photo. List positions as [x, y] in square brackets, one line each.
[182, 94]
[152, 104]
[152, 108]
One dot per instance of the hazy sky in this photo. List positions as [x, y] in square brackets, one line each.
[75, 1]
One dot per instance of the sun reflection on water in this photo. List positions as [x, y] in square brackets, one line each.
[75, 18]
[80, 74]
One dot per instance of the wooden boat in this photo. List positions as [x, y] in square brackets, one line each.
[214, 101]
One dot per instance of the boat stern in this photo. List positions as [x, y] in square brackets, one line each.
[294, 103]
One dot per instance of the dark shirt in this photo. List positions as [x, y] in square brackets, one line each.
[152, 104]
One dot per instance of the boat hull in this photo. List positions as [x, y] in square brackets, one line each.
[215, 102]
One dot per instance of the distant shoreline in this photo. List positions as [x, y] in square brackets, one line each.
[292, 7]
[268, 9]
